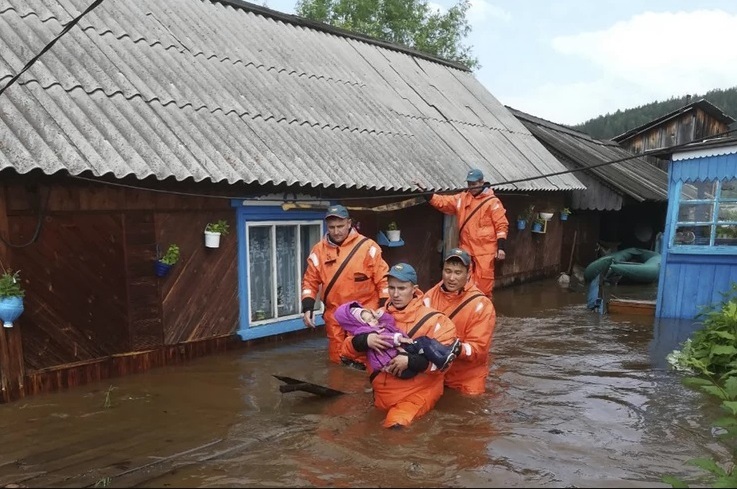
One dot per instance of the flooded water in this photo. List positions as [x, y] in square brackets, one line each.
[575, 399]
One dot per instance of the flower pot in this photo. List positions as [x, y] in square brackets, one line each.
[537, 227]
[521, 223]
[212, 240]
[564, 216]
[10, 309]
[161, 268]
[393, 235]
[546, 216]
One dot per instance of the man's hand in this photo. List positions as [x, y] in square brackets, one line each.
[501, 254]
[307, 319]
[397, 365]
[378, 342]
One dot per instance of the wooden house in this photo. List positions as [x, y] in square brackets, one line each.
[699, 261]
[625, 198]
[148, 120]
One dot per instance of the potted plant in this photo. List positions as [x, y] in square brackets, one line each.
[564, 213]
[392, 231]
[11, 297]
[213, 231]
[164, 264]
[537, 225]
[525, 216]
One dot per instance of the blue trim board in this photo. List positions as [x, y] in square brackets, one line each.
[719, 167]
[244, 214]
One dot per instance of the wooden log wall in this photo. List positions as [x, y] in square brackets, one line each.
[92, 298]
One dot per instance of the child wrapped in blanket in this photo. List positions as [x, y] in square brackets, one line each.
[355, 320]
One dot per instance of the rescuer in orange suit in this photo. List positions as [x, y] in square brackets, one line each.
[474, 317]
[405, 399]
[482, 224]
[349, 267]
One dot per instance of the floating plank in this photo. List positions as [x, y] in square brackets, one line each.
[292, 385]
[631, 306]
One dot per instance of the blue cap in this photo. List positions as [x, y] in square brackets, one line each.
[403, 272]
[460, 254]
[474, 175]
[337, 211]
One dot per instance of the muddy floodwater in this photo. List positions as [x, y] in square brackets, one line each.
[574, 399]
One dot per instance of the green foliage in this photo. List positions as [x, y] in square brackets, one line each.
[612, 125]
[10, 284]
[392, 226]
[712, 350]
[220, 226]
[566, 210]
[711, 353]
[527, 214]
[171, 256]
[412, 23]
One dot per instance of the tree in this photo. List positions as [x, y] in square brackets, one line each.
[409, 22]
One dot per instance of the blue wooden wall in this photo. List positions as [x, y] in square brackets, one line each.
[691, 277]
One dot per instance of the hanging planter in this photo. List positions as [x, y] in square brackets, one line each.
[11, 298]
[164, 264]
[537, 226]
[392, 232]
[213, 231]
[564, 214]
[521, 223]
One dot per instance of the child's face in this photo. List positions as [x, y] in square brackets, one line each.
[369, 318]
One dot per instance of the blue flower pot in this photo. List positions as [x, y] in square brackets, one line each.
[564, 217]
[521, 223]
[10, 309]
[537, 227]
[161, 268]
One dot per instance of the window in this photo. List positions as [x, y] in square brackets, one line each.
[277, 254]
[707, 214]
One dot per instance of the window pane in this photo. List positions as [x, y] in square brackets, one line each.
[699, 190]
[692, 235]
[259, 272]
[287, 291]
[310, 235]
[726, 235]
[695, 212]
[729, 189]
[728, 212]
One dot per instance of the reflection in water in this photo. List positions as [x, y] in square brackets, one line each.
[574, 399]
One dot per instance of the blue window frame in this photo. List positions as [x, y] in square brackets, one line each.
[273, 247]
[706, 217]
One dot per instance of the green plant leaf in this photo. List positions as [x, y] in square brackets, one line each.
[673, 481]
[697, 381]
[727, 481]
[715, 390]
[731, 405]
[722, 350]
[707, 464]
[730, 387]
[725, 421]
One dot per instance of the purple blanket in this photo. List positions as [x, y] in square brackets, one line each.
[353, 326]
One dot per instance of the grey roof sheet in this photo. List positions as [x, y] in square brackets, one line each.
[634, 176]
[204, 90]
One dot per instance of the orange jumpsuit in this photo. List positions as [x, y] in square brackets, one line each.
[475, 323]
[480, 234]
[363, 280]
[407, 399]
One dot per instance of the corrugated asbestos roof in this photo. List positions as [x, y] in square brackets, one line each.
[212, 91]
[634, 177]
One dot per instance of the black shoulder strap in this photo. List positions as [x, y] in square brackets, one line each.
[474, 212]
[341, 268]
[421, 322]
[463, 304]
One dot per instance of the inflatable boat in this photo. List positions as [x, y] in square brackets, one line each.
[633, 264]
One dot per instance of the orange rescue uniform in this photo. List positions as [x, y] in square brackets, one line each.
[362, 280]
[480, 234]
[475, 323]
[408, 399]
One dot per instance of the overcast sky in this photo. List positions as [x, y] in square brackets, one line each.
[571, 60]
